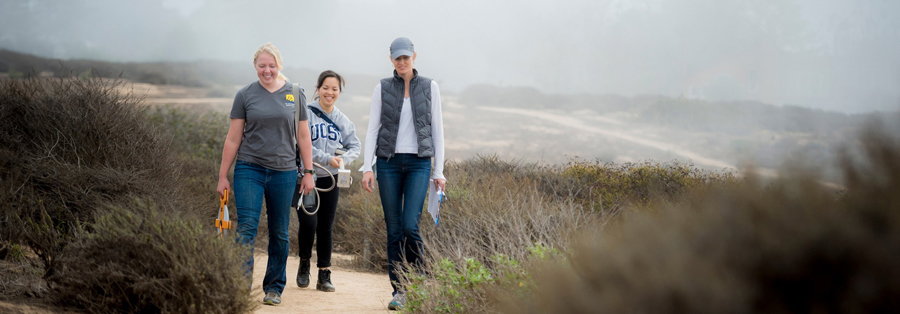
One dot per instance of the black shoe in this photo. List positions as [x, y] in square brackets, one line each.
[324, 282]
[303, 274]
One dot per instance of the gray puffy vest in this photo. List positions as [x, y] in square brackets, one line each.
[392, 102]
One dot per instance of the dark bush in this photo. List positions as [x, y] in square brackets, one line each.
[197, 138]
[140, 260]
[792, 246]
[502, 215]
[71, 149]
[610, 185]
[67, 147]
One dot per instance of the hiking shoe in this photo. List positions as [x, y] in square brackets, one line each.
[397, 302]
[324, 282]
[272, 298]
[303, 274]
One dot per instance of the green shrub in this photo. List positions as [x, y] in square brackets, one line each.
[466, 287]
[197, 139]
[194, 134]
[13, 74]
[19, 274]
[790, 246]
[521, 212]
[139, 260]
[12, 252]
[609, 185]
[67, 147]
[359, 227]
[455, 286]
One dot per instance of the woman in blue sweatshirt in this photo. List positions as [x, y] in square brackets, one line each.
[330, 130]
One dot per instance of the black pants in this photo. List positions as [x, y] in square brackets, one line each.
[320, 225]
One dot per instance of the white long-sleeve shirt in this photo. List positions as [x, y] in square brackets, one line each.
[406, 135]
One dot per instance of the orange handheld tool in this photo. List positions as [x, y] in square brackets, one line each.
[223, 222]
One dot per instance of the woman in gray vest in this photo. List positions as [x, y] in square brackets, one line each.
[264, 137]
[330, 130]
[405, 132]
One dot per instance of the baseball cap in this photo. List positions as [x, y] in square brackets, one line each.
[402, 47]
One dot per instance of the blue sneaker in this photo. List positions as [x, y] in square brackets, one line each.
[272, 298]
[397, 302]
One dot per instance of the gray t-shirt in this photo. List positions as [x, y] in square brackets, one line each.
[269, 138]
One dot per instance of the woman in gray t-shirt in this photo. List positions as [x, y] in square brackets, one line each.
[263, 137]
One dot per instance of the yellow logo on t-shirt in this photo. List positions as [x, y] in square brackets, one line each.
[289, 97]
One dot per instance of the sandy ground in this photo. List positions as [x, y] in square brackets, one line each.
[25, 308]
[355, 291]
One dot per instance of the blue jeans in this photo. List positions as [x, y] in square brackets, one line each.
[402, 185]
[252, 183]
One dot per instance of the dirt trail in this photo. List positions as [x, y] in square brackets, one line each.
[356, 292]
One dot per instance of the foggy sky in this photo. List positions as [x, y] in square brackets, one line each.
[836, 55]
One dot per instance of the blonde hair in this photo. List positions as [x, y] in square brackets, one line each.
[272, 50]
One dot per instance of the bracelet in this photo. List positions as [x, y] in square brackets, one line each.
[305, 171]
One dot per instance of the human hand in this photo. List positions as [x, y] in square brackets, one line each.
[336, 161]
[368, 181]
[440, 184]
[222, 186]
[307, 184]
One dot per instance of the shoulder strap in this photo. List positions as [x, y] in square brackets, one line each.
[322, 116]
[296, 90]
[299, 102]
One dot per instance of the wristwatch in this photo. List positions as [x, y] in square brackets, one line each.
[310, 171]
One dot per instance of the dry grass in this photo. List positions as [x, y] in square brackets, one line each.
[667, 238]
[71, 150]
[68, 146]
[139, 260]
[503, 215]
[109, 205]
[791, 246]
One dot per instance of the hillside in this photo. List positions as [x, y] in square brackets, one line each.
[219, 77]
[108, 206]
[622, 129]
[526, 124]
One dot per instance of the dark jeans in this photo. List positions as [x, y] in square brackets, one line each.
[320, 225]
[402, 185]
[252, 183]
